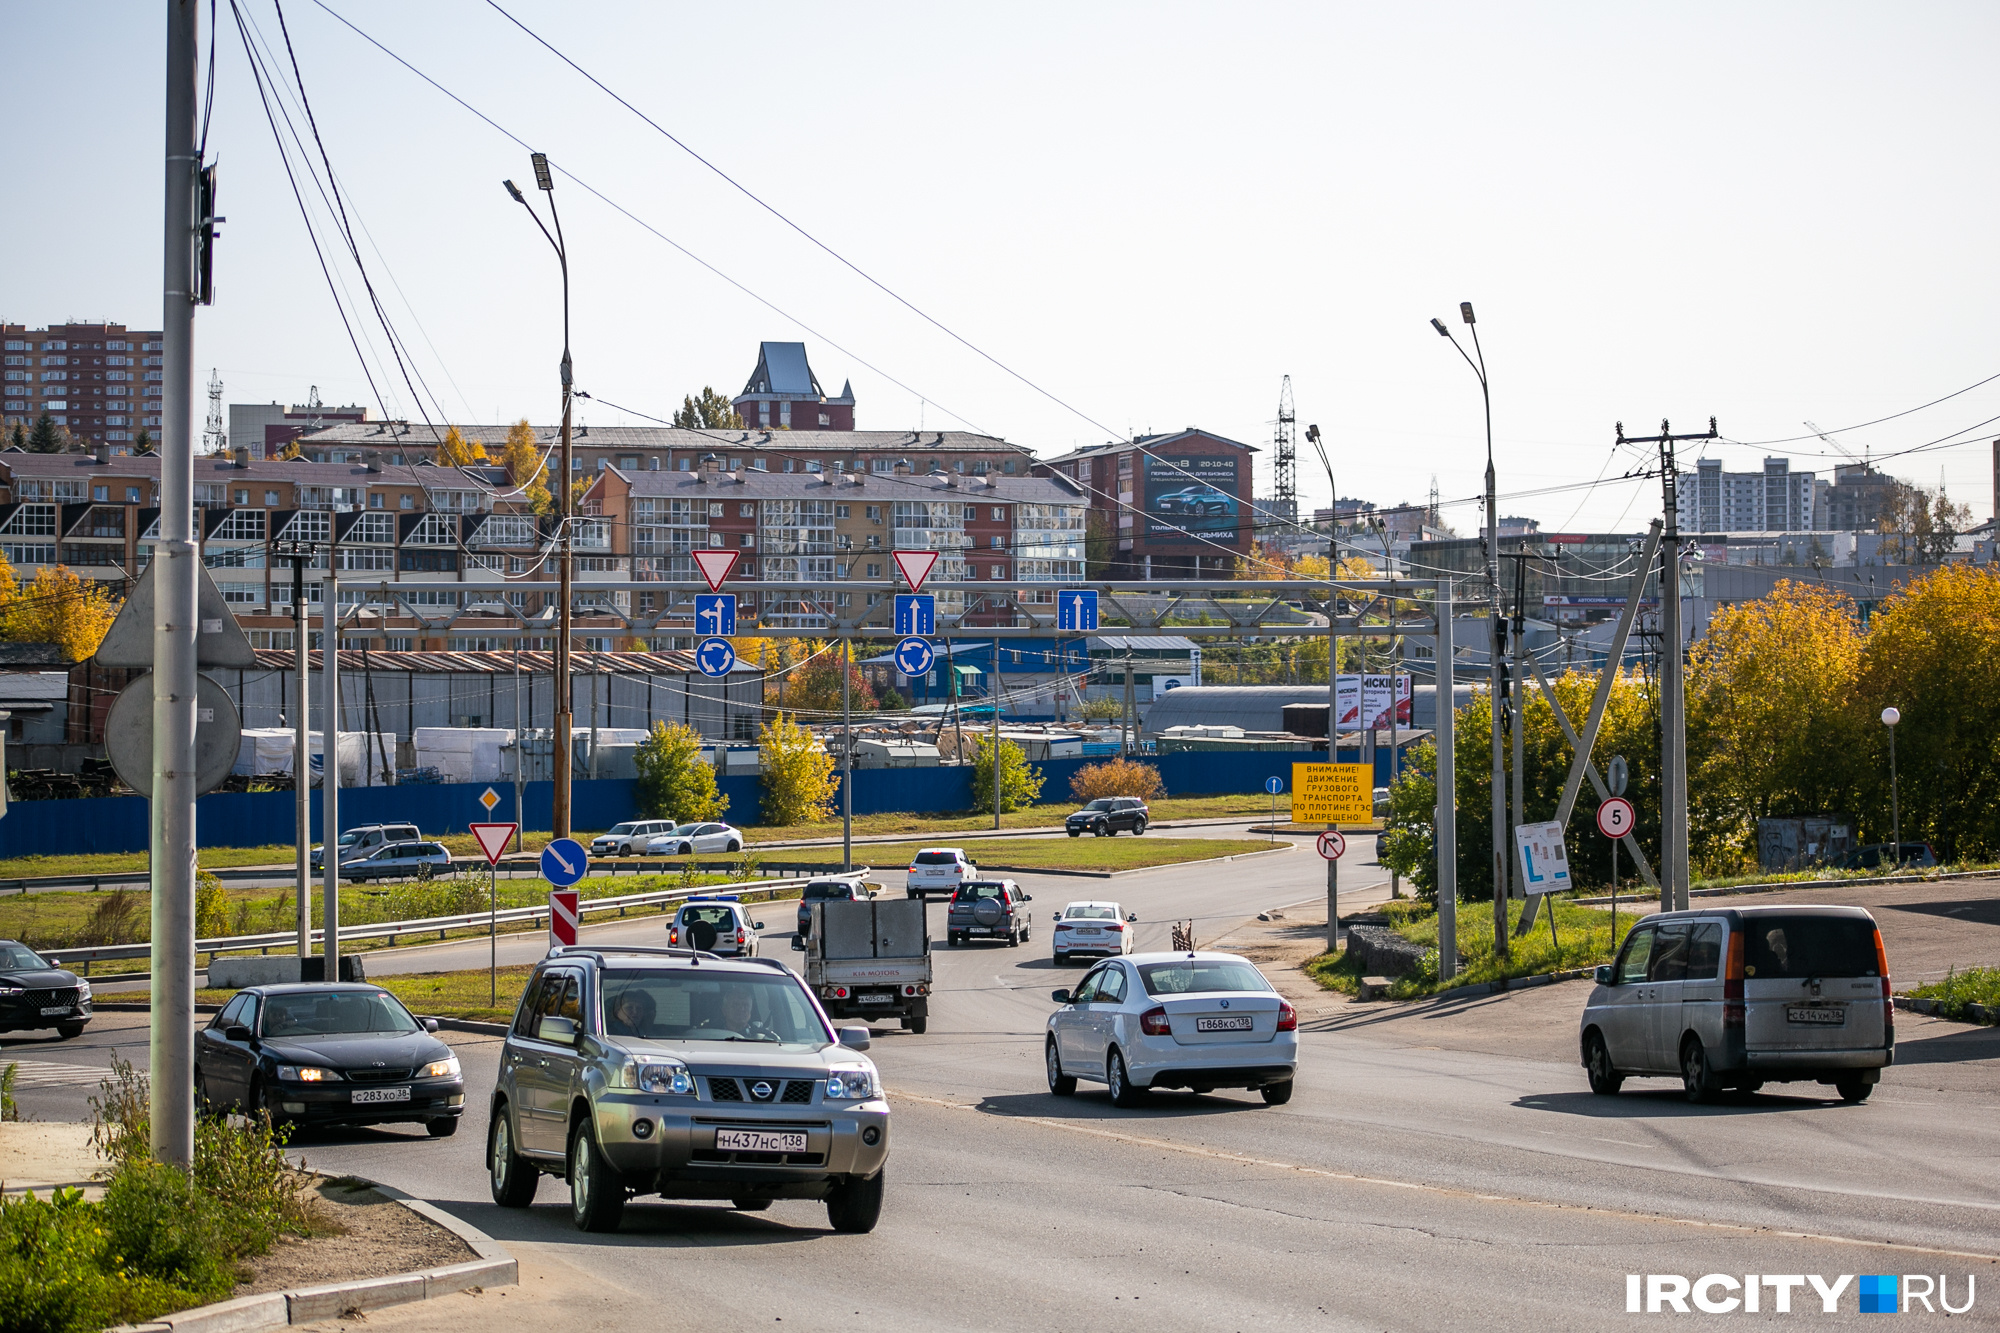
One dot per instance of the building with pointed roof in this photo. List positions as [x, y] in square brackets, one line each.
[783, 392]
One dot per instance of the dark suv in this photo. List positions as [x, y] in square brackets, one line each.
[828, 890]
[1107, 815]
[989, 909]
[35, 993]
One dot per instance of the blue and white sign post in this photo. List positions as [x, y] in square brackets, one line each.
[1076, 609]
[914, 657]
[564, 862]
[715, 612]
[715, 657]
[916, 613]
[1274, 784]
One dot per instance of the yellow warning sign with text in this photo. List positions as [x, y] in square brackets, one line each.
[1333, 793]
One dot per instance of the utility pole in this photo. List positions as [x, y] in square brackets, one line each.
[329, 766]
[1445, 817]
[1673, 686]
[993, 696]
[301, 746]
[846, 763]
[171, 1048]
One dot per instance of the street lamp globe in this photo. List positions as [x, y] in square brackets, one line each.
[1891, 716]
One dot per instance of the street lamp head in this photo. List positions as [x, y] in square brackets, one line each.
[1465, 311]
[520, 199]
[1437, 324]
[1891, 716]
[546, 182]
[1312, 434]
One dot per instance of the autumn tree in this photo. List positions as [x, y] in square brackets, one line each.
[456, 451]
[1920, 526]
[1020, 783]
[797, 777]
[814, 688]
[59, 607]
[674, 782]
[527, 469]
[708, 411]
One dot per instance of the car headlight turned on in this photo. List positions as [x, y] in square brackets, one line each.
[445, 1068]
[852, 1083]
[306, 1074]
[671, 1079]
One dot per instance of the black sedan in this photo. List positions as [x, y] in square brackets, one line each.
[36, 994]
[328, 1055]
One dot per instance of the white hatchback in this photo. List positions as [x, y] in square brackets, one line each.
[1092, 928]
[1198, 1020]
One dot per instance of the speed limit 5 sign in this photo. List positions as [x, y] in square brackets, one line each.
[1614, 817]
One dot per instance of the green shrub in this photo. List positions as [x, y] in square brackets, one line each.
[1020, 785]
[1975, 985]
[158, 1223]
[674, 783]
[211, 906]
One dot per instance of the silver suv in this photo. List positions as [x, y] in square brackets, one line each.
[671, 1072]
[1736, 998]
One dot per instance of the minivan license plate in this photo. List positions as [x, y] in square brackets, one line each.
[1831, 1015]
[381, 1094]
[758, 1140]
[1234, 1023]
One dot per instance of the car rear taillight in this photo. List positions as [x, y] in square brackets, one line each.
[741, 937]
[1888, 992]
[1288, 1017]
[840, 992]
[1114, 925]
[913, 868]
[1732, 983]
[673, 935]
[1154, 1023]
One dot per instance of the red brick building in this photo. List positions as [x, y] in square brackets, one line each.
[1169, 506]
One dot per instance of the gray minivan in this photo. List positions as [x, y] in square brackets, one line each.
[1740, 997]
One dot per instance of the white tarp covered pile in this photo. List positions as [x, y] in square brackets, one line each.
[366, 760]
[462, 754]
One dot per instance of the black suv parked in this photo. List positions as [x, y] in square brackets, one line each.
[1108, 814]
[35, 993]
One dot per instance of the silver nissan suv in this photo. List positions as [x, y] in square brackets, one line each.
[673, 1072]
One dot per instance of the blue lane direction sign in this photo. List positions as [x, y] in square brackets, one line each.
[1274, 785]
[914, 657]
[564, 862]
[1076, 609]
[715, 657]
[916, 613]
[715, 612]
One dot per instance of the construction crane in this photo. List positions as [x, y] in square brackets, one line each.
[1845, 452]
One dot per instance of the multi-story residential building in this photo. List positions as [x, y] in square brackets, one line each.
[784, 393]
[1856, 500]
[101, 382]
[1171, 506]
[1774, 500]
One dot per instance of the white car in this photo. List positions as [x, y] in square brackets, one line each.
[629, 838]
[1199, 1020]
[938, 870]
[735, 932]
[687, 839]
[1092, 928]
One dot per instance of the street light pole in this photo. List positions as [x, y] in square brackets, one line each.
[560, 497]
[1890, 717]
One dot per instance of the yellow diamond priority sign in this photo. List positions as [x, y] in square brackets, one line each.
[489, 798]
[1333, 793]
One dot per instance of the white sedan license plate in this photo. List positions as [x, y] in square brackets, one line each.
[758, 1140]
[1234, 1023]
[1089, 930]
[1831, 1015]
[56, 1009]
[363, 1095]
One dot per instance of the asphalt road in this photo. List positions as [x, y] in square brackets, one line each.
[1410, 1184]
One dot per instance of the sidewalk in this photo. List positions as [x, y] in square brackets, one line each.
[43, 1157]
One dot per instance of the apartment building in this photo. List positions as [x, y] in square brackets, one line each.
[783, 392]
[1178, 504]
[102, 382]
[1775, 499]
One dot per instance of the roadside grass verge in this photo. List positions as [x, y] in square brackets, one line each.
[1119, 853]
[1584, 939]
[1046, 815]
[463, 994]
[1975, 985]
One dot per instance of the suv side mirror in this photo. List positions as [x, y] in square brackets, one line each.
[854, 1039]
[561, 1031]
[1604, 976]
[1027, 897]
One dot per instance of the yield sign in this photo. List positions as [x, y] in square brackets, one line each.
[715, 566]
[493, 839]
[916, 566]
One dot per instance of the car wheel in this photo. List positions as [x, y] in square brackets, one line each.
[443, 1127]
[735, 846]
[1062, 959]
[920, 1024]
[1013, 939]
[1061, 1084]
[1102, 830]
[1120, 1083]
[68, 1030]
[596, 1193]
[687, 849]
[260, 1100]
[1275, 1094]
[749, 1205]
[951, 939]
[1854, 1090]
[1604, 1079]
[201, 1100]
[1138, 828]
[513, 1180]
[856, 1206]
[1698, 1078]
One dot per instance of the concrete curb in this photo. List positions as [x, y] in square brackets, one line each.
[275, 1309]
[1785, 886]
[1510, 983]
[472, 1025]
[1981, 1014]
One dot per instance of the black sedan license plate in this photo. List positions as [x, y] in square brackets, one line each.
[361, 1095]
[1233, 1023]
[758, 1140]
[1828, 1015]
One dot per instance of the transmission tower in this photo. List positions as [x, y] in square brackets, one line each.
[1285, 457]
[1433, 515]
[211, 433]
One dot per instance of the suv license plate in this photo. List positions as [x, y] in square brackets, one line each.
[1233, 1023]
[874, 999]
[1831, 1015]
[380, 1095]
[758, 1140]
[56, 1009]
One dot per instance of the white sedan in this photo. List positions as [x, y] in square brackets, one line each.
[1198, 1020]
[1092, 928]
[687, 839]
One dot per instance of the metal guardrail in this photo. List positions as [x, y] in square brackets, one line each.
[511, 865]
[392, 930]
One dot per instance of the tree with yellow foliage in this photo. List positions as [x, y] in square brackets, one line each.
[59, 607]
[522, 457]
[456, 451]
[798, 783]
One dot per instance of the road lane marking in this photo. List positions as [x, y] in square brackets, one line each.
[1446, 1191]
[54, 1074]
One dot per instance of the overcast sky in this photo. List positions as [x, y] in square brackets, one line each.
[1148, 214]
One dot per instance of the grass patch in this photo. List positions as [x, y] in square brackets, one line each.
[1046, 815]
[1119, 853]
[463, 994]
[1975, 985]
[1584, 934]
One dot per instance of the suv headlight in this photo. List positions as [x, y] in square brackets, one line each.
[82, 989]
[445, 1068]
[671, 1078]
[306, 1074]
[852, 1083]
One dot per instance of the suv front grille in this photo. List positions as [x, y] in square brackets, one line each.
[727, 1089]
[376, 1075]
[50, 998]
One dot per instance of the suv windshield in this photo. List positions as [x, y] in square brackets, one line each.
[1183, 976]
[617, 829]
[326, 1013]
[1098, 805]
[1808, 946]
[20, 956]
[709, 1005]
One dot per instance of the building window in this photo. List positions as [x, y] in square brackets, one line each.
[270, 499]
[874, 571]
[997, 542]
[375, 499]
[407, 502]
[747, 509]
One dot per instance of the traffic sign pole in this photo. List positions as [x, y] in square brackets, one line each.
[1332, 846]
[492, 839]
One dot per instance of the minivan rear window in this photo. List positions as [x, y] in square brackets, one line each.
[1808, 946]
